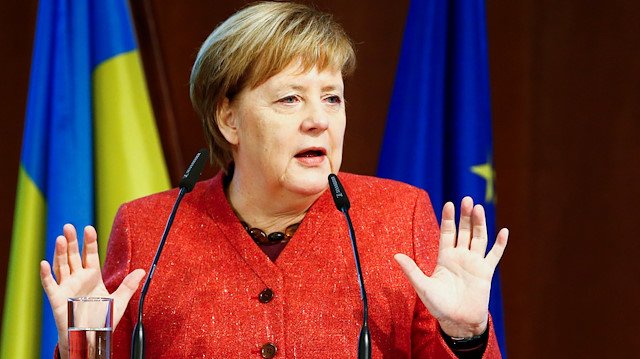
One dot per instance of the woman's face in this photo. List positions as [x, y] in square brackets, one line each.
[288, 132]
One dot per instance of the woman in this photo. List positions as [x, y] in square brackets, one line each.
[268, 84]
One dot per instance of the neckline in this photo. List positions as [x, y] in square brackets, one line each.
[219, 209]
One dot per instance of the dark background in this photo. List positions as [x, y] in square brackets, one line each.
[565, 85]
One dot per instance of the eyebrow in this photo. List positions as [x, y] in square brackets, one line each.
[324, 89]
[332, 87]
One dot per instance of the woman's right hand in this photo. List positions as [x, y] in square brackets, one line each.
[81, 277]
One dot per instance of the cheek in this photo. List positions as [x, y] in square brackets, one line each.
[338, 133]
[252, 132]
[273, 145]
[337, 139]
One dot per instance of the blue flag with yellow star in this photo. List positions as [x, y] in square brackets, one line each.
[438, 134]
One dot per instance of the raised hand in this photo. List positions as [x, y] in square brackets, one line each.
[457, 293]
[80, 277]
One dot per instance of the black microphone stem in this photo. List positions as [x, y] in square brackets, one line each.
[186, 185]
[143, 293]
[363, 293]
[343, 205]
[138, 342]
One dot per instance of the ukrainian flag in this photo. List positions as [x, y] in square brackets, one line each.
[438, 134]
[90, 143]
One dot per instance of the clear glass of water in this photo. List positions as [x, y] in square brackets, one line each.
[90, 326]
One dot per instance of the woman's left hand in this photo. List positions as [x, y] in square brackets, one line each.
[457, 293]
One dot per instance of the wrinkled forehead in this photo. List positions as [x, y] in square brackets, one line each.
[298, 77]
[295, 65]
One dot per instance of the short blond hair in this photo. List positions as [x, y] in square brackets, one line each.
[254, 44]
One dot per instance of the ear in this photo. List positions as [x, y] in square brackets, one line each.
[226, 119]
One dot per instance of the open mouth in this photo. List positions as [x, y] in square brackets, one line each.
[311, 153]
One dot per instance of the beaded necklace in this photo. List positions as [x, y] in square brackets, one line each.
[261, 238]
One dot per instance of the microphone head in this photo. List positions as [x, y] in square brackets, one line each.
[190, 177]
[338, 193]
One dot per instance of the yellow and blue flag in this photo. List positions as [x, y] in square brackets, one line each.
[438, 133]
[90, 143]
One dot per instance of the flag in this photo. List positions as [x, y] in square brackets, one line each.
[89, 144]
[438, 132]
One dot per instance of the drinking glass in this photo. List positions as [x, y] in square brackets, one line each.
[90, 327]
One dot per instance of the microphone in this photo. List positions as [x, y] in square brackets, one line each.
[186, 185]
[343, 205]
[194, 171]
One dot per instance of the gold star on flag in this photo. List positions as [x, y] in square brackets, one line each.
[486, 171]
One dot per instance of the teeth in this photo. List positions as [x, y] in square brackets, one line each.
[309, 154]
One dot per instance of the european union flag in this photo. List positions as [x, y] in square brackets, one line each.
[438, 134]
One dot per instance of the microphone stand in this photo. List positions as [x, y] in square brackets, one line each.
[343, 205]
[186, 185]
[137, 342]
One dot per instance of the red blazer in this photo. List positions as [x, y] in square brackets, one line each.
[204, 302]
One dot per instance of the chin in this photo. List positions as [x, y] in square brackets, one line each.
[309, 184]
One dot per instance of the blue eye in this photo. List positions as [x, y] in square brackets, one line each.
[288, 99]
[334, 99]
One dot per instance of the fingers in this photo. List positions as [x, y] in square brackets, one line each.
[73, 247]
[125, 291]
[411, 270]
[46, 278]
[448, 226]
[472, 230]
[479, 237]
[464, 231]
[130, 284]
[60, 260]
[90, 255]
[494, 255]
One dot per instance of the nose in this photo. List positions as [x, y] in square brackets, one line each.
[316, 118]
